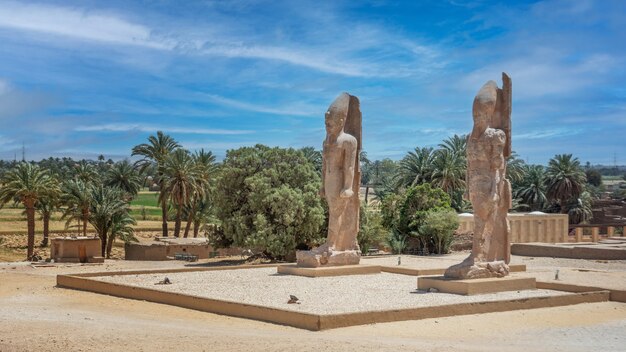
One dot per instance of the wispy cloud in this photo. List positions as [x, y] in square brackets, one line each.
[339, 57]
[290, 110]
[129, 127]
[547, 133]
[80, 24]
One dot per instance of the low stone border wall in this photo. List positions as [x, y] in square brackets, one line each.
[571, 251]
[614, 295]
[314, 322]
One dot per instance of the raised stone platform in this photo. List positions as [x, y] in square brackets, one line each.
[403, 270]
[257, 292]
[610, 249]
[329, 270]
[476, 286]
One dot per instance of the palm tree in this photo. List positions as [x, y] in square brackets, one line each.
[579, 210]
[455, 144]
[122, 228]
[26, 183]
[46, 206]
[181, 179]
[156, 151]
[532, 189]
[565, 180]
[449, 171]
[107, 204]
[77, 197]
[416, 167]
[123, 176]
[86, 172]
[204, 162]
[515, 168]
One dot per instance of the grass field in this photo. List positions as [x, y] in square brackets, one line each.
[146, 199]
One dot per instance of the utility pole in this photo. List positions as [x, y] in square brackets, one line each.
[23, 152]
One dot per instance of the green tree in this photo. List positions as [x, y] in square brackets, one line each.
[371, 231]
[122, 228]
[26, 183]
[76, 195]
[154, 153]
[594, 177]
[406, 212]
[124, 176]
[86, 172]
[449, 168]
[182, 181]
[564, 180]
[107, 205]
[456, 145]
[46, 206]
[204, 162]
[439, 225]
[267, 198]
[531, 189]
[397, 242]
[314, 157]
[416, 167]
[515, 169]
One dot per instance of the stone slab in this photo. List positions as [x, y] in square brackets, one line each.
[476, 286]
[572, 251]
[438, 271]
[329, 271]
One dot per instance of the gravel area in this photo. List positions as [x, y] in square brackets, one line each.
[355, 293]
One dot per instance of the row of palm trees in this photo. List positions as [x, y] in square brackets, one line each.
[559, 187]
[184, 180]
[89, 197]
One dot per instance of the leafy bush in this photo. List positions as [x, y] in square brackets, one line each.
[439, 226]
[397, 242]
[405, 212]
[267, 199]
[371, 232]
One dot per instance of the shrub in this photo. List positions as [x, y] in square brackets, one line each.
[267, 199]
[439, 226]
[371, 232]
[397, 242]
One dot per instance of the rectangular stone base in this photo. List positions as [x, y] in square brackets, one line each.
[476, 286]
[293, 269]
[403, 270]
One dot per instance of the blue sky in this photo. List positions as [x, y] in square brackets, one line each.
[91, 77]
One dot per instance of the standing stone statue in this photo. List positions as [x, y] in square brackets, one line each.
[341, 179]
[488, 146]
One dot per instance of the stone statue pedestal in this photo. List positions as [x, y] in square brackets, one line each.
[469, 269]
[342, 270]
[319, 257]
[476, 286]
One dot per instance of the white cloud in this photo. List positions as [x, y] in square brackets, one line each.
[547, 133]
[127, 127]
[337, 57]
[80, 24]
[290, 110]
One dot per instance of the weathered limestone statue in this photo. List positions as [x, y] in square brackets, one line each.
[488, 146]
[341, 179]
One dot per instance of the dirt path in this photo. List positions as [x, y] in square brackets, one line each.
[36, 316]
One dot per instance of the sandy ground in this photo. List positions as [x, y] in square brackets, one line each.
[37, 316]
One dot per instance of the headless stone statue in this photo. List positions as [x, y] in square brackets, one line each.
[341, 180]
[488, 146]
